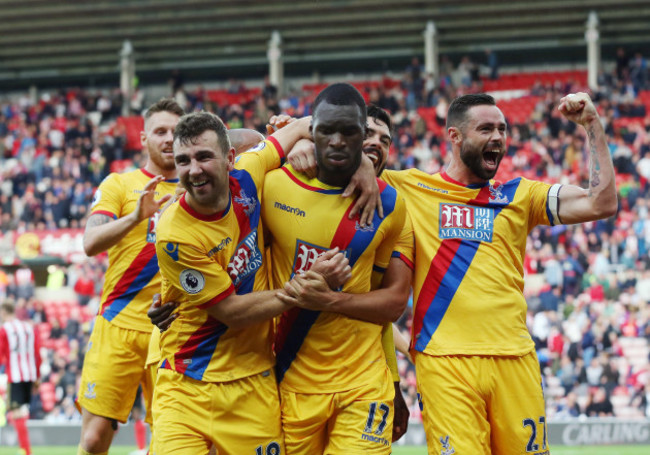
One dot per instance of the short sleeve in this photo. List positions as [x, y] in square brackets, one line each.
[393, 230]
[109, 197]
[541, 211]
[405, 247]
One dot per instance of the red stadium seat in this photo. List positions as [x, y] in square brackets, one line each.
[48, 395]
[133, 126]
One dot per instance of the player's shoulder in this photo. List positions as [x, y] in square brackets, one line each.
[397, 178]
[523, 184]
[171, 216]
[282, 173]
[133, 177]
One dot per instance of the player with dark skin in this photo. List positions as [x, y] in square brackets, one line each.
[376, 146]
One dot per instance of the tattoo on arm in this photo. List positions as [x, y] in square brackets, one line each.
[594, 172]
[97, 220]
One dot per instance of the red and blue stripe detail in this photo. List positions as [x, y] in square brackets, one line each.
[447, 270]
[242, 187]
[296, 323]
[193, 358]
[135, 278]
[403, 258]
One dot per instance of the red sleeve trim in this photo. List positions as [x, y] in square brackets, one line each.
[218, 298]
[406, 260]
[277, 146]
[104, 212]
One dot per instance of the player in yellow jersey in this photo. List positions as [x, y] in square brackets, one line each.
[123, 219]
[337, 395]
[477, 372]
[376, 146]
[123, 202]
[216, 384]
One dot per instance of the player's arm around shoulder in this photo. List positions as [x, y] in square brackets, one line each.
[575, 204]
[271, 153]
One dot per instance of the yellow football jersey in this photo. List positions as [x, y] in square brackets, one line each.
[326, 352]
[470, 243]
[203, 259]
[132, 277]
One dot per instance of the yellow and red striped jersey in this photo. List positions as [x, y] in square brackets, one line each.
[132, 276]
[320, 351]
[204, 259]
[470, 243]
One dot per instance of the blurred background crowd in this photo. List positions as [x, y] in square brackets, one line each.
[587, 286]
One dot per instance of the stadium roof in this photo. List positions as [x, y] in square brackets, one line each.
[79, 41]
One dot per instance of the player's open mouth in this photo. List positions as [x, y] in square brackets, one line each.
[491, 158]
[373, 154]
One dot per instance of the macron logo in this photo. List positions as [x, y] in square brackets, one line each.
[427, 187]
[287, 208]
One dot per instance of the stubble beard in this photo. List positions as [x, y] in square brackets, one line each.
[474, 162]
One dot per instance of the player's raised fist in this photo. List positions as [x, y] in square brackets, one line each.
[578, 108]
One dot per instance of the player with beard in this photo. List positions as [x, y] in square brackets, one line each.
[215, 384]
[123, 219]
[124, 214]
[477, 372]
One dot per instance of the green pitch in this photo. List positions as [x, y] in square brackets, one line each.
[555, 450]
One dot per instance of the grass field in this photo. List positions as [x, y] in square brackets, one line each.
[556, 450]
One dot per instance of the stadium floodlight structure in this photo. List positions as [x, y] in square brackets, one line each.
[592, 36]
[274, 55]
[127, 74]
[431, 50]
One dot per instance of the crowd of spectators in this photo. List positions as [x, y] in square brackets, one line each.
[588, 286]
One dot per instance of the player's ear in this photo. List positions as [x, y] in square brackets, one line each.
[455, 135]
[231, 158]
[143, 138]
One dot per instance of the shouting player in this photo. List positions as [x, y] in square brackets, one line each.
[477, 372]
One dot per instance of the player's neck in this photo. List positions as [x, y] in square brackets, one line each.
[462, 174]
[208, 209]
[337, 179]
[155, 170]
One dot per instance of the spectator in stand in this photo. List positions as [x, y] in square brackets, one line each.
[20, 354]
[492, 64]
[638, 71]
[570, 408]
[85, 286]
[599, 404]
[641, 398]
